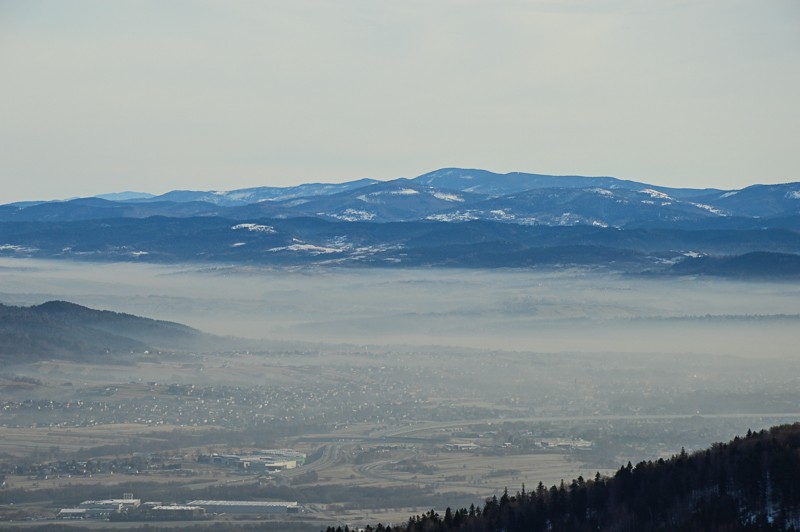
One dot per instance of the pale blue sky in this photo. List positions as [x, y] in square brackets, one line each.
[102, 96]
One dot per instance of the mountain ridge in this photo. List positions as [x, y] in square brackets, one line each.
[65, 330]
[448, 194]
[511, 220]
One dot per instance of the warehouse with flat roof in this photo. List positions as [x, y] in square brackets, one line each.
[177, 512]
[247, 507]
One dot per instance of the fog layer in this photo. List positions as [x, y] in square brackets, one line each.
[567, 311]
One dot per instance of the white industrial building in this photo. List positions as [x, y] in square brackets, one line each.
[285, 455]
[247, 507]
[177, 512]
[257, 462]
[72, 513]
[103, 508]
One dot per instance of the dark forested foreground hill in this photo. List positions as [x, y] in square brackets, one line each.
[59, 329]
[751, 483]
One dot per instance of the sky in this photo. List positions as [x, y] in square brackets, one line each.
[154, 95]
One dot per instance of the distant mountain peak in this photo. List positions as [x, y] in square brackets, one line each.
[125, 196]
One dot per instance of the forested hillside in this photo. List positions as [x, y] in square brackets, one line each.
[751, 483]
[59, 329]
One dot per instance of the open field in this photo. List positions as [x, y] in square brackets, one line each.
[23, 442]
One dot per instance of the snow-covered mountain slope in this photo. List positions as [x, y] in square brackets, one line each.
[450, 195]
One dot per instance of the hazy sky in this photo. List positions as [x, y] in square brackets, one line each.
[101, 96]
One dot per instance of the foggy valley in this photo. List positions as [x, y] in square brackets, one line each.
[404, 388]
[516, 309]
[400, 266]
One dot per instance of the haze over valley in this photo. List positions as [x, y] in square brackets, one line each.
[495, 309]
[430, 387]
[407, 344]
[400, 266]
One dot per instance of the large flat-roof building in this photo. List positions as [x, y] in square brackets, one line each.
[177, 512]
[104, 508]
[72, 513]
[247, 507]
[267, 460]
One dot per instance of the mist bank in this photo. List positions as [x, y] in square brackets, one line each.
[571, 310]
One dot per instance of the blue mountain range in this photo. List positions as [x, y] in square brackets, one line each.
[449, 217]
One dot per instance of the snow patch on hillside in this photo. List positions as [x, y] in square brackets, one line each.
[255, 228]
[351, 215]
[501, 214]
[709, 208]
[457, 216]
[375, 197]
[16, 249]
[402, 192]
[655, 194]
[237, 196]
[568, 218]
[447, 197]
[306, 248]
[296, 202]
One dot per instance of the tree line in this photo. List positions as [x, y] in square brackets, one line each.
[750, 483]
